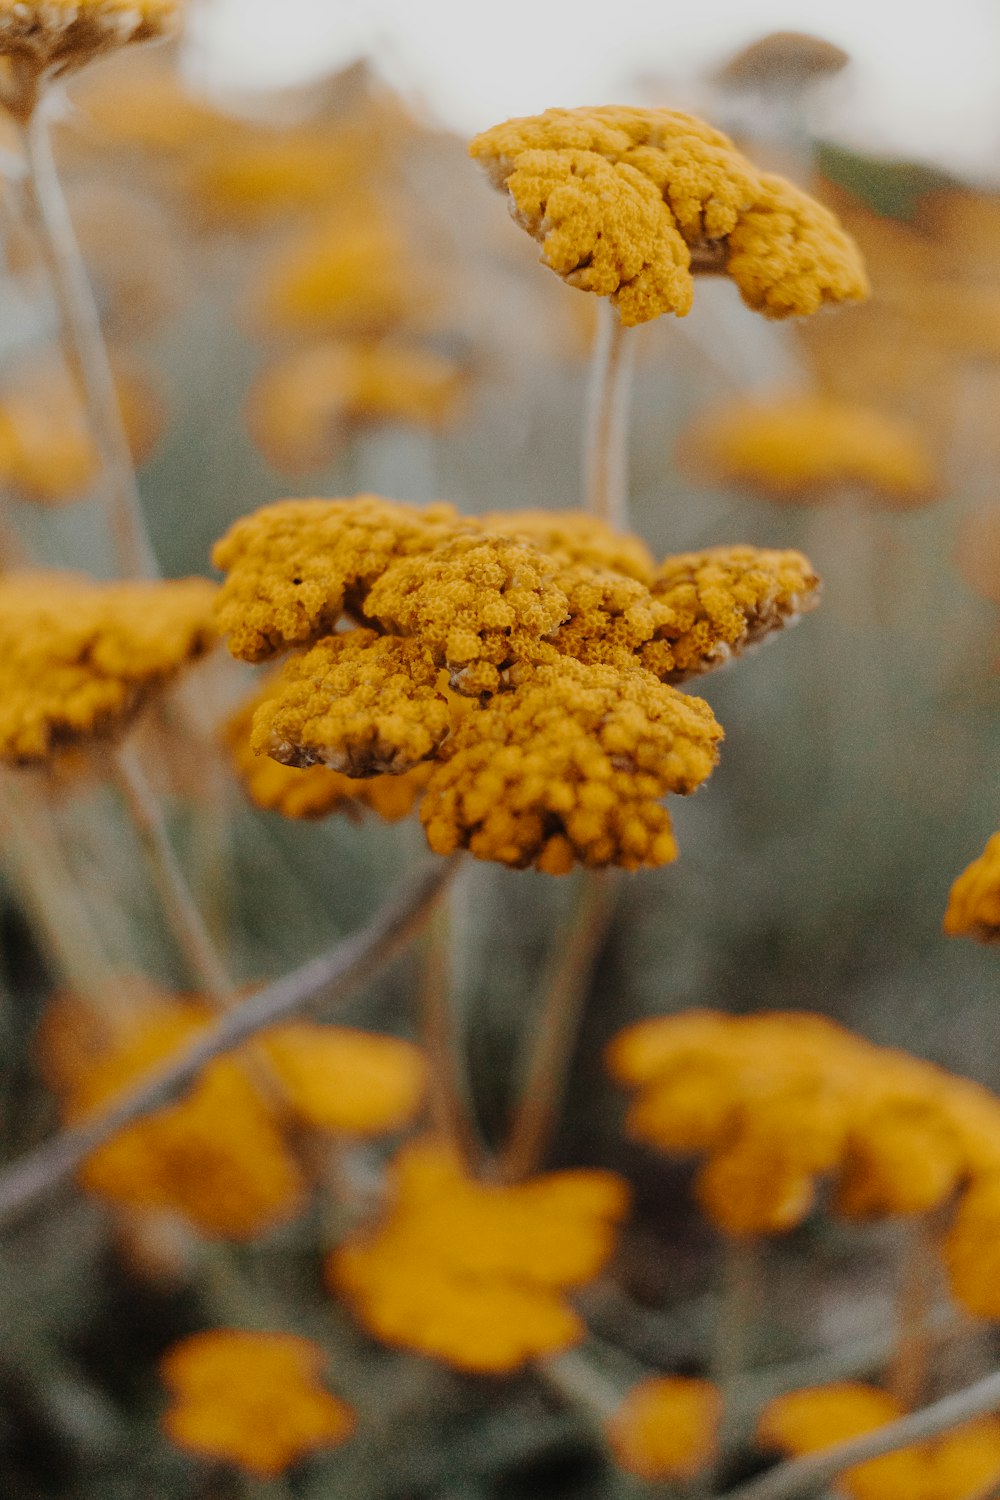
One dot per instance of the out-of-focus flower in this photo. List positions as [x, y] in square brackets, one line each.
[951, 1467]
[782, 60]
[254, 1400]
[476, 1274]
[46, 452]
[78, 658]
[302, 410]
[978, 553]
[628, 203]
[144, 103]
[350, 1082]
[666, 1428]
[316, 791]
[971, 1249]
[52, 37]
[802, 448]
[572, 766]
[974, 902]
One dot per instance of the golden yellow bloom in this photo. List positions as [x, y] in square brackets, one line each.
[78, 658]
[753, 1188]
[346, 1081]
[972, 1249]
[974, 903]
[570, 767]
[666, 1428]
[251, 1399]
[627, 202]
[302, 410]
[575, 537]
[56, 36]
[475, 1274]
[723, 601]
[951, 1467]
[317, 791]
[361, 703]
[803, 447]
[295, 566]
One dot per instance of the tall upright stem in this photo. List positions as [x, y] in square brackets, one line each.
[551, 1050]
[184, 918]
[606, 432]
[84, 346]
[919, 1279]
[450, 1104]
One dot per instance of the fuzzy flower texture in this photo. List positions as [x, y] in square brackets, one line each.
[564, 639]
[632, 203]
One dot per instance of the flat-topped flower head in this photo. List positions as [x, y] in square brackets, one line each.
[666, 1428]
[575, 536]
[806, 448]
[79, 658]
[572, 766]
[631, 203]
[476, 1274]
[52, 37]
[974, 902]
[253, 1400]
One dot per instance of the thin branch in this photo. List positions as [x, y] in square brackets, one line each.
[83, 342]
[451, 1106]
[333, 975]
[606, 430]
[802, 1475]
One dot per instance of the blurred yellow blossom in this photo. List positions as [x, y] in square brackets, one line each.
[251, 1399]
[628, 203]
[666, 1428]
[974, 902]
[476, 1274]
[575, 536]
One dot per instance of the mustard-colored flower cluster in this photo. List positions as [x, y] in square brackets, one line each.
[802, 448]
[78, 658]
[251, 1399]
[631, 203]
[774, 1102]
[476, 1274]
[974, 902]
[220, 1157]
[565, 653]
[667, 1428]
[954, 1466]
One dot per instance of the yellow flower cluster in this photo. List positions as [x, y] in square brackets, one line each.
[219, 1157]
[56, 36]
[666, 1428]
[954, 1466]
[302, 410]
[630, 203]
[254, 1400]
[78, 658]
[802, 448]
[774, 1101]
[564, 636]
[476, 1274]
[974, 902]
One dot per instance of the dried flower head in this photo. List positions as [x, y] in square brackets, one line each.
[316, 791]
[571, 766]
[974, 903]
[476, 1274]
[666, 1428]
[302, 410]
[78, 658]
[254, 1400]
[804, 448]
[628, 203]
[52, 37]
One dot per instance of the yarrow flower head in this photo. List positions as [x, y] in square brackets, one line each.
[254, 1400]
[631, 203]
[562, 638]
[666, 1428]
[476, 1274]
[974, 903]
[79, 658]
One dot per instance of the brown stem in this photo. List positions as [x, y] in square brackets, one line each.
[918, 1289]
[450, 1104]
[333, 975]
[606, 427]
[551, 1049]
[84, 346]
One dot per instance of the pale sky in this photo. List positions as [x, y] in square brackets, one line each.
[925, 79]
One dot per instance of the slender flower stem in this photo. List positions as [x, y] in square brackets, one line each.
[182, 914]
[918, 1287]
[450, 1104]
[551, 1050]
[739, 1311]
[606, 431]
[801, 1476]
[334, 975]
[580, 1381]
[84, 346]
